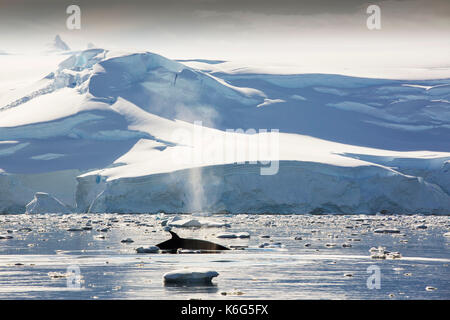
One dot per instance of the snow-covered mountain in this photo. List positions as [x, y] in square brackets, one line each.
[115, 132]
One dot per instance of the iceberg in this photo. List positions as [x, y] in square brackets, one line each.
[45, 203]
[58, 45]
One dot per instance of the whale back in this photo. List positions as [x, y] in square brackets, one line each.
[176, 243]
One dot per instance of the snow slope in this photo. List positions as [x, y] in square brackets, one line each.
[116, 132]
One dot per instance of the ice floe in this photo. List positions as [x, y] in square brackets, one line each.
[190, 276]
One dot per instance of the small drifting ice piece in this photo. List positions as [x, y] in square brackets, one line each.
[189, 276]
[393, 255]
[386, 230]
[229, 235]
[271, 245]
[58, 275]
[194, 223]
[378, 253]
[348, 275]
[379, 249]
[127, 240]
[151, 249]
[382, 253]
[232, 293]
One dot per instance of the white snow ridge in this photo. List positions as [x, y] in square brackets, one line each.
[118, 132]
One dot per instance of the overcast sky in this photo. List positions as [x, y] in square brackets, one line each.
[281, 30]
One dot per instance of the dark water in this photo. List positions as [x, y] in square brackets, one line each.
[31, 261]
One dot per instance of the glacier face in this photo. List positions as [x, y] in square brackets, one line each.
[299, 187]
[99, 133]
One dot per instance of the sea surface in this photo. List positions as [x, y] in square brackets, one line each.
[305, 257]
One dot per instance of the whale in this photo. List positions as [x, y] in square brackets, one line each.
[175, 243]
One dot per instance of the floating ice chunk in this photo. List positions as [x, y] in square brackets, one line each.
[271, 245]
[151, 249]
[348, 275]
[45, 203]
[232, 293]
[346, 245]
[229, 235]
[127, 240]
[386, 230]
[378, 255]
[195, 223]
[226, 235]
[394, 255]
[238, 247]
[186, 276]
[243, 235]
[57, 275]
[185, 223]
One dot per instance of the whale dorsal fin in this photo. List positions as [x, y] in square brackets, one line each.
[174, 235]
